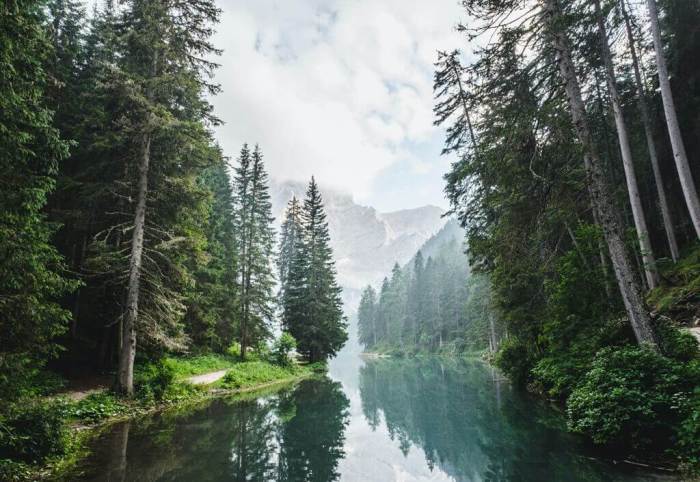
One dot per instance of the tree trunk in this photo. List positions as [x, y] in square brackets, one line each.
[492, 334]
[463, 96]
[599, 191]
[651, 144]
[248, 262]
[125, 380]
[650, 271]
[674, 131]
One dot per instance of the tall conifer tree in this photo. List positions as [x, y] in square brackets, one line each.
[312, 304]
[253, 215]
[31, 279]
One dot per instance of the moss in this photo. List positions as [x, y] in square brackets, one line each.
[679, 294]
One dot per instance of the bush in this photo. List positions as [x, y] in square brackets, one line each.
[32, 433]
[318, 367]
[632, 398]
[514, 359]
[96, 407]
[13, 471]
[153, 379]
[675, 343]
[688, 434]
[282, 349]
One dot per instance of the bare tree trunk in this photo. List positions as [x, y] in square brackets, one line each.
[599, 191]
[125, 380]
[651, 144]
[674, 130]
[650, 271]
[492, 334]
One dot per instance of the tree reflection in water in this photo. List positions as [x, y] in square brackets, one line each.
[297, 434]
[470, 423]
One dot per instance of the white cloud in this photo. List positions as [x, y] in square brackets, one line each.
[341, 89]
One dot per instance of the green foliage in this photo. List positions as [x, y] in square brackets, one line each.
[675, 343]
[318, 367]
[284, 346]
[515, 360]
[632, 398]
[311, 304]
[12, 471]
[96, 407]
[680, 294]
[152, 380]
[250, 374]
[430, 305]
[687, 446]
[32, 432]
[188, 366]
[255, 247]
[32, 273]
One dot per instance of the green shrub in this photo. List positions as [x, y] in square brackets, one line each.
[283, 347]
[675, 343]
[631, 398]
[153, 379]
[11, 471]
[688, 436]
[318, 367]
[514, 359]
[96, 407]
[180, 391]
[33, 432]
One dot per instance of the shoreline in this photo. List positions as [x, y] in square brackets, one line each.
[81, 434]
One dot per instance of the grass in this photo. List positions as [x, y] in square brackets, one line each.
[249, 374]
[198, 365]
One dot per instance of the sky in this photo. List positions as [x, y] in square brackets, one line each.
[341, 89]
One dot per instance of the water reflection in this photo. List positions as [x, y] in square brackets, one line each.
[297, 434]
[471, 425]
[377, 421]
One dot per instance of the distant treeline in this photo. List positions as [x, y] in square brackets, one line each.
[430, 305]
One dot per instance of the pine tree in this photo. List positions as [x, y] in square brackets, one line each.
[650, 270]
[213, 307]
[312, 304]
[32, 273]
[674, 131]
[253, 214]
[163, 74]
[290, 238]
[367, 317]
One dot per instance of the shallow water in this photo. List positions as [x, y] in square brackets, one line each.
[370, 420]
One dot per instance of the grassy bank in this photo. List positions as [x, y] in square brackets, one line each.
[46, 436]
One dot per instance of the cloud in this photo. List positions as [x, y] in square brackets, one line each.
[341, 89]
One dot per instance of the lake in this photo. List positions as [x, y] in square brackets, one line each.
[369, 420]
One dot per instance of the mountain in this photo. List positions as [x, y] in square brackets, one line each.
[450, 232]
[366, 243]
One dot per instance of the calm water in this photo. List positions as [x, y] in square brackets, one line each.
[383, 420]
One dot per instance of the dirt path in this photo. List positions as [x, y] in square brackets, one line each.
[206, 378]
